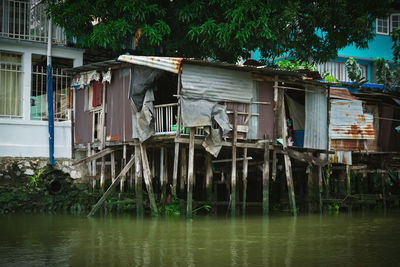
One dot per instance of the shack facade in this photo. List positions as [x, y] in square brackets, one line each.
[215, 128]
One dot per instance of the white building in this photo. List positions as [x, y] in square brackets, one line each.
[23, 104]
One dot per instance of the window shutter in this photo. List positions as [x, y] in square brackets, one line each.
[97, 93]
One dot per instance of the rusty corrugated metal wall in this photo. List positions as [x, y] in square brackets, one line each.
[348, 121]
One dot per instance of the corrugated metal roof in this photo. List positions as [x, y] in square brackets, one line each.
[347, 120]
[94, 66]
[171, 64]
[341, 93]
[217, 84]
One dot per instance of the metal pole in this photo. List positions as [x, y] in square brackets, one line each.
[50, 107]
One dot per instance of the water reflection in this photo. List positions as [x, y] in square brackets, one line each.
[124, 241]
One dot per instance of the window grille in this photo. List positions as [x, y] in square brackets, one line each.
[27, 20]
[61, 94]
[10, 84]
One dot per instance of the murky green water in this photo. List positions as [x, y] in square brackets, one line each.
[62, 240]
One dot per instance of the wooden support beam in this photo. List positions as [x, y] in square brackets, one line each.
[306, 157]
[289, 180]
[102, 173]
[94, 171]
[163, 182]
[95, 156]
[320, 189]
[112, 167]
[288, 164]
[209, 176]
[266, 181]
[273, 176]
[148, 180]
[111, 188]
[190, 174]
[383, 182]
[233, 174]
[244, 178]
[175, 170]
[121, 184]
[310, 186]
[138, 182]
[183, 169]
[348, 186]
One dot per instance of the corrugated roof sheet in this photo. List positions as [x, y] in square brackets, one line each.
[347, 120]
[171, 64]
[341, 93]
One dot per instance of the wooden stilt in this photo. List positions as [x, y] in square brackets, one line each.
[233, 174]
[111, 188]
[190, 174]
[94, 171]
[266, 180]
[148, 180]
[288, 164]
[310, 186]
[138, 182]
[175, 171]
[182, 181]
[273, 176]
[348, 187]
[209, 176]
[89, 152]
[320, 189]
[121, 185]
[289, 180]
[244, 178]
[183, 169]
[162, 179]
[112, 167]
[102, 173]
[383, 182]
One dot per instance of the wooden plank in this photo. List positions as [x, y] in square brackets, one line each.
[163, 177]
[320, 189]
[306, 157]
[241, 128]
[95, 156]
[233, 174]
[244, 178]
[111, 188]
[209, 176]
[273, 176]
[183, 169]
[266, 181]
[112, 167]
[348, 186]
[175, 170]
[288, 164]
[148, 180]
[122, 183]
[138, 182]
[190, 174]
[102, 173]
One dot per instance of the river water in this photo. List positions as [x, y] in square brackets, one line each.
[371, 239]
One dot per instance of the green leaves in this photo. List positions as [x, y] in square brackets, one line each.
[223, 29]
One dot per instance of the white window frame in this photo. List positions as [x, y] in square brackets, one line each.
[391, 21]
[388, 26]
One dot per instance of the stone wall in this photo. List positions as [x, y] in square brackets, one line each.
[13, 169]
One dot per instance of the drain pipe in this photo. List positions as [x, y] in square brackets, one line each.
[50, 108]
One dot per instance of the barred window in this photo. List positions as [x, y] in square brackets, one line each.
[10, 84]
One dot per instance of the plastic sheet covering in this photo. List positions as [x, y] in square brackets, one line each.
[143, 78]
[144, 118]
[201, 113]
[297, 113]
[213, 141]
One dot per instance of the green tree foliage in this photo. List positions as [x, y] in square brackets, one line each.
[223, 29]
[354, 70]
[389, 77]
